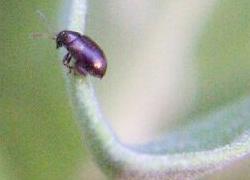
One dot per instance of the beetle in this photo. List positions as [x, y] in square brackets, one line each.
[89, 57]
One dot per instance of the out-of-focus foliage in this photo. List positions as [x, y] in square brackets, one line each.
[223, 55]
[40, 140]
[38, 137]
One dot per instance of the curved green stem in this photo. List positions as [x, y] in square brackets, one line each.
[119, 160]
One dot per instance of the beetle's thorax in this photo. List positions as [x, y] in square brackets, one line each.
[65, 38]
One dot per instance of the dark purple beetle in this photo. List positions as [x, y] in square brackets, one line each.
[89, 58]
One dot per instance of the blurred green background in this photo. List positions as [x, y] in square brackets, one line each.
[38, 135]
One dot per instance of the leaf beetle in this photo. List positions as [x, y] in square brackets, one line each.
[89, 57]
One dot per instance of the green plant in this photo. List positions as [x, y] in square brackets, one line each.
[211, 142]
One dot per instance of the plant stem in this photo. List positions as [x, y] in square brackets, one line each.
[119, 160]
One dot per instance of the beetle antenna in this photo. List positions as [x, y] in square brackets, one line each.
[47, 25]
[40, 35]
[44, 20]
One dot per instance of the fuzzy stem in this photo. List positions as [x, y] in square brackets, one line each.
[119, 160]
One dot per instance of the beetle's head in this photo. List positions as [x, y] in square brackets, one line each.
[64, 38]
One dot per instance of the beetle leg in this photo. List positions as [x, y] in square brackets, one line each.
[70, 69]
[66, 59]
[80, 69]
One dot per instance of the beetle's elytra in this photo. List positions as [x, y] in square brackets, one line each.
[89, 57]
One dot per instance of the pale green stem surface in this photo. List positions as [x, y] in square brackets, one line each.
[119, 160]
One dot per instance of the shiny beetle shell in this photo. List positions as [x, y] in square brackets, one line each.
[89, 57]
